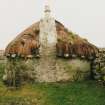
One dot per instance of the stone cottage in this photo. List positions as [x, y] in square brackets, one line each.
[51, 53]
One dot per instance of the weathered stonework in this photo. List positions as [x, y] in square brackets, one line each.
[52, 69]
[98, 66]
[48, 68]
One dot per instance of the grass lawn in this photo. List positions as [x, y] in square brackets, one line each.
[76, 93]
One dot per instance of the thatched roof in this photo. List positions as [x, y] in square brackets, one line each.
[68, 42]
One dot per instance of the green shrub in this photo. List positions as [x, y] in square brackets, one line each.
[2, 68]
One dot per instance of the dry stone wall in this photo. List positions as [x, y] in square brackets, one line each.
[98, 66]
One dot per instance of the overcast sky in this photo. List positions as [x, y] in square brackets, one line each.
[84, 17]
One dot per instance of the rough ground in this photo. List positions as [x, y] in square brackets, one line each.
[76, 93]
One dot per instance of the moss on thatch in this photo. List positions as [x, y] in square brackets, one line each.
[72, 44]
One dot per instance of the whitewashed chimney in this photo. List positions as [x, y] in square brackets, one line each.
[48, 34]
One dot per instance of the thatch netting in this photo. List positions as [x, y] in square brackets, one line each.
[27, 43]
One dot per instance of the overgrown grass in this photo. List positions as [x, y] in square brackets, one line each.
[75, 93]
[2, 67]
